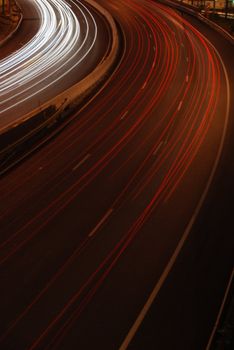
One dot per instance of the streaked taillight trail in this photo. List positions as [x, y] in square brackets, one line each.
[134, 143]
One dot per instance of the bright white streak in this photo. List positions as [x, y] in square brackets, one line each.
[53, 47]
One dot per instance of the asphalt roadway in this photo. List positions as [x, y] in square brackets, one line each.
[195, 289]
[49, 56]
[90, 224]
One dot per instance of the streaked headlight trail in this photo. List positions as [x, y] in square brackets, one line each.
[37, 64]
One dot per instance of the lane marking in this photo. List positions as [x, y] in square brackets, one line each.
[187, 78]
[101, 222]
[81, 162]
[179, 107]
[124, 115]
[159, 145]
[144, 85]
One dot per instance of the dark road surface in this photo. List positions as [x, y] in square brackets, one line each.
[91, 223]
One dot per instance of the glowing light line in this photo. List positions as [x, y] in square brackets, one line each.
[36, 65]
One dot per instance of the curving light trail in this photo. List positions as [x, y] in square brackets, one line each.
[49, 55]
[117, 174]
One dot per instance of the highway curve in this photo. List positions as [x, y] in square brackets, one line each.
[92, 223]
[68, 40]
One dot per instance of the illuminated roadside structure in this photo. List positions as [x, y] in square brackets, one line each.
[220, 4]
[217, 4]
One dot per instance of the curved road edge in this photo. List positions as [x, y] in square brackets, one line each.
[70, 98]
[172, 261]
[16, 28]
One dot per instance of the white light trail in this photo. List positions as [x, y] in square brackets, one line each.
[49, 55]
